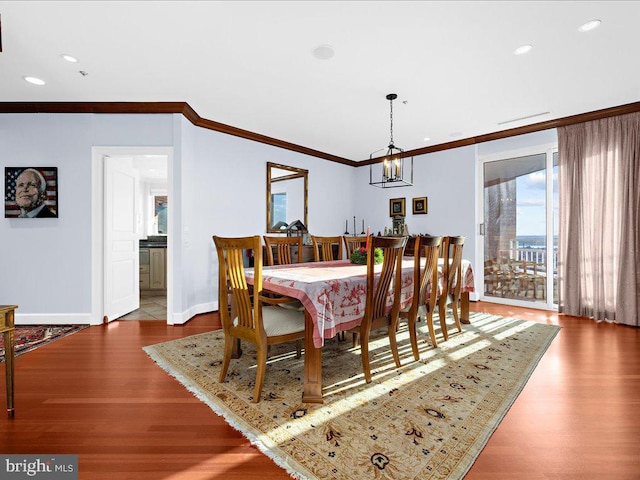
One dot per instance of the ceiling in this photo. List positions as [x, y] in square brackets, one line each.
[250, 65]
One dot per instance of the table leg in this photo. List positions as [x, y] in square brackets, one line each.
[312, 386]
[464, 308]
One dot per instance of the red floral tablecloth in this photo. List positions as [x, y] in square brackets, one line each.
[334, 292]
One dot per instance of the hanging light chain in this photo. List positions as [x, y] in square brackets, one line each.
[391, 120]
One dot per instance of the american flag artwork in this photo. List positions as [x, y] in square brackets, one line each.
[50, 174]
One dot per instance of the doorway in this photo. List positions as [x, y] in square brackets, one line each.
[152, 167]
[519, 228]
[152, 207]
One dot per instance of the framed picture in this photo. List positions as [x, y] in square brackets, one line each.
[419, 205]
[396, 207]
[31, 192]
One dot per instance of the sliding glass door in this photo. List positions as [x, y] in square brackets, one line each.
[519, 229]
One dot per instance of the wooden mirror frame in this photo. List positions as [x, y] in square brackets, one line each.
[295, 173]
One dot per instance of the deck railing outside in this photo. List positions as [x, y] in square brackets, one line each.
[520, 272]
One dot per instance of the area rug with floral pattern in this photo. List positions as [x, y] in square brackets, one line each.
[30, 337]
[428, 419]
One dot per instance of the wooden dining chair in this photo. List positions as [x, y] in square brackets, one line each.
[284, 250]
[243, 312]
[323, 248]
[376, 313]
[425, 288]
[352, 243]
[451, 282]
[284, 247]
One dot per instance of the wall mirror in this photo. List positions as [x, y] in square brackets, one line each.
[286, 197]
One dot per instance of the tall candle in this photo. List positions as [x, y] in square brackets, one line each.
[354, 225]
[363, 224]
[346, 225]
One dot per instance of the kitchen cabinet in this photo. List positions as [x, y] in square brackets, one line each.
[153, 268]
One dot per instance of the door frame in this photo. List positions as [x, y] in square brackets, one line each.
[98, 155]
[548, 149]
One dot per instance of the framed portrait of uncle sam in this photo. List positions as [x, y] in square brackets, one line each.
[31, 192]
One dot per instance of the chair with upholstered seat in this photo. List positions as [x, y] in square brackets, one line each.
[425, 288]
[284, 247]
[246, 317]
[451, 282]
[376, 314]
[323, 248]
[352, 243]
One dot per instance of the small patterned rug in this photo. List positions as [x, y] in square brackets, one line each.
[428, 419]
[30, 337]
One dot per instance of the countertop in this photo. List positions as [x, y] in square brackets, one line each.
[148, 244]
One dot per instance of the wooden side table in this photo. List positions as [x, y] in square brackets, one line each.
[7, 327]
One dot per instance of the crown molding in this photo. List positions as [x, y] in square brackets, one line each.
[163, 107]
[190, 114]
[512, 132]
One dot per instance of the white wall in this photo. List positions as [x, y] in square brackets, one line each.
[46, 262]
[219, 188]
[446, 178]
[224, 191]
[449, 180]
[519, 142]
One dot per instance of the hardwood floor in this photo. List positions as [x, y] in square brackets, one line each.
[98, 395]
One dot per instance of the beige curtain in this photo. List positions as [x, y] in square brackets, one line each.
[599, 234]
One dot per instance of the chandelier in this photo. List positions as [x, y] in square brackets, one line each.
[393, 164]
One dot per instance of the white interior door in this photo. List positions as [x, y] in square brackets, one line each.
[122, 262]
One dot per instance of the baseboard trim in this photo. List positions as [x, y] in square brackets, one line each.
[87, 318]
[184, 317]
[56, 319]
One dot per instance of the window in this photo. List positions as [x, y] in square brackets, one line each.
[278, 208]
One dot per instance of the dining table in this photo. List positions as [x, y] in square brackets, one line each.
[333, 294]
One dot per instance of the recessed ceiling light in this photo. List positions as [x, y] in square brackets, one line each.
[69, 58]
[523, 49]
[323, 52]
[426, 139]
[590, 25]
[34, 80]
